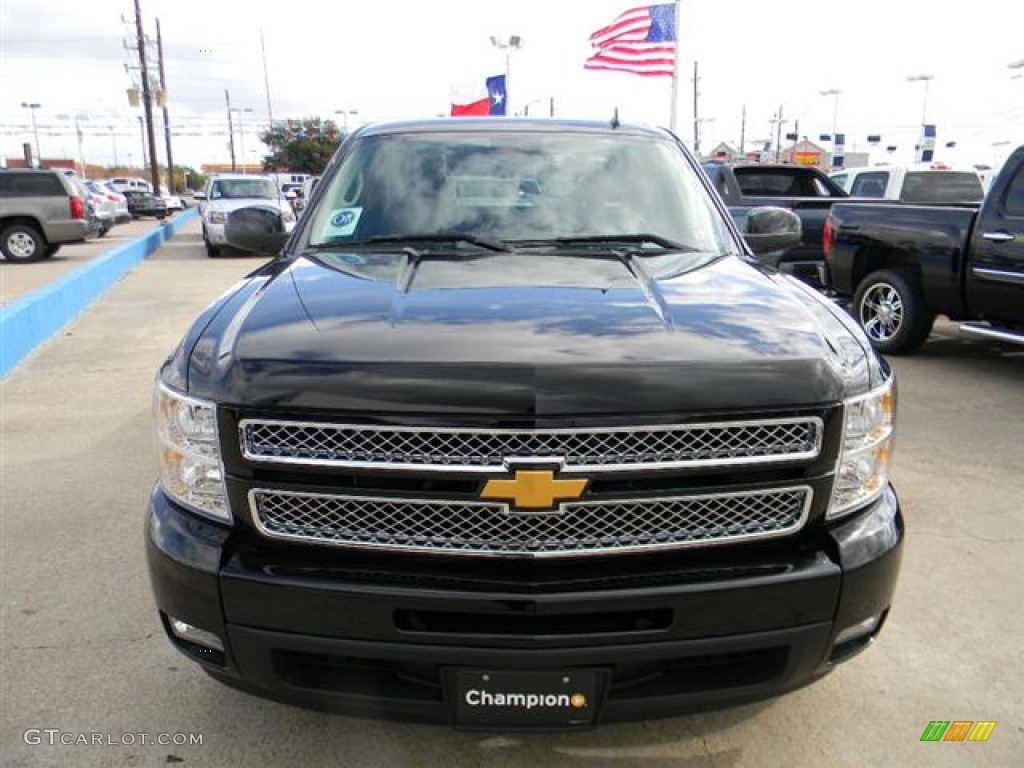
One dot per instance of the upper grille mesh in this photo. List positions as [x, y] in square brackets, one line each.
[486, 449]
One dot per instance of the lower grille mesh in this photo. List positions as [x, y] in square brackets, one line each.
[475, 528]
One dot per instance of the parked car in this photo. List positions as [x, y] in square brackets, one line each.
[807, 191]
[293, 194]
[306, 193]
[904, 264]
[227, 193]
[39, 211]
[103, 205]
[514, 433]
[145, 204]
[308, 186]
[121, 212]
[935, 183]
[130, 184]
[174, 202]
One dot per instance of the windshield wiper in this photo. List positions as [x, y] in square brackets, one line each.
[632, 238]
[486, 243]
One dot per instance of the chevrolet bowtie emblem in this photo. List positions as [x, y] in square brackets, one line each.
[534, 489]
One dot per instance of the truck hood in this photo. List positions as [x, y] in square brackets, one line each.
[524, 335]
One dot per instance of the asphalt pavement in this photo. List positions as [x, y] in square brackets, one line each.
[81, 651]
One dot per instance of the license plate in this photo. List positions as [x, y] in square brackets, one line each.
[521, 699]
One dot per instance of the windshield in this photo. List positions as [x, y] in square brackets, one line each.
[942, 187]
[518, 188]
[233, 189]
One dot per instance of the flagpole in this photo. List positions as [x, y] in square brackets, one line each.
[675, 73]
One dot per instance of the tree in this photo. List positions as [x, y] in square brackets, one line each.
[196, 179]
[302, 146]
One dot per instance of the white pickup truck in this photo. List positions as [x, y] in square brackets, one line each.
[923, 185]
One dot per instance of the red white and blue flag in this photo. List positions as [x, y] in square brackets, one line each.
[641, 40]
[480, 98]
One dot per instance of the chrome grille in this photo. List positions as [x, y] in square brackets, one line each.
[580, 450]
[476, 528]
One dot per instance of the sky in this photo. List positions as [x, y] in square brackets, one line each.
[399, 59]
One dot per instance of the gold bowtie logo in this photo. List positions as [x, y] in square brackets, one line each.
[534, 489]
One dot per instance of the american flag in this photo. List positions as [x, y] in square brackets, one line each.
[641, 40]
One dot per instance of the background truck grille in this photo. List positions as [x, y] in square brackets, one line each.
[790, 439]
[475, 528]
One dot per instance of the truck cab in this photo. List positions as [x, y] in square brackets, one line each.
[921, 185]
[902, 265]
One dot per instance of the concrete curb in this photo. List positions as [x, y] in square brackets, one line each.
[29, 321]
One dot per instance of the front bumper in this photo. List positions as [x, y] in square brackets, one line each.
[378, 639]
[214, 232]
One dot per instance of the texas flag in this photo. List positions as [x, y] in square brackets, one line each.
[486, 98]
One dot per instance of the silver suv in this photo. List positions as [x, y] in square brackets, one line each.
[39, 211]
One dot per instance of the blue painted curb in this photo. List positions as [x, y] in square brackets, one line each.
[32, 319]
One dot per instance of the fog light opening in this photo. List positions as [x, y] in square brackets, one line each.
[192, 634]
[855, 638]
[200, 644]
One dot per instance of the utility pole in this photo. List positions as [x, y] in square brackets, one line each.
[551, 107]
[777, 122]
[266, 81]
[231, 131]
[696, 116]
[147, 105]
[167, 121]
[743, 131]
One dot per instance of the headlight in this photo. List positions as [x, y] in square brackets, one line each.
[863, 469]
[191, 471]
[218, 217]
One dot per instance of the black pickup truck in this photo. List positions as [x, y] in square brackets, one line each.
[515, 433]
[807, 191]
[902, 265]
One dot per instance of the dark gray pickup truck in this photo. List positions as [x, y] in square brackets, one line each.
[904, 264]
[808, 192]
[39, 210]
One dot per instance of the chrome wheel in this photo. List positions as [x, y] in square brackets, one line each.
[21, 245]
[881, 312]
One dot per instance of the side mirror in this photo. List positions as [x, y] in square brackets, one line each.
[256, 229]
[768, 229]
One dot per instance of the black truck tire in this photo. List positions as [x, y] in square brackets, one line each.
[22, 243]
[889, 306]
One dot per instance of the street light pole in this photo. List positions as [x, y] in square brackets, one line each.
[32, 107]
[81, 152]
[834, 93]
[926, 79]
[241, 135]
[113, 138]
[344, 116]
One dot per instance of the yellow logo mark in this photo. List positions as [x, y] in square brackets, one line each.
[578, 701]
[534, 489]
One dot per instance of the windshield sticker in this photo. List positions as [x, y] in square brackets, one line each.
[342, 222]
